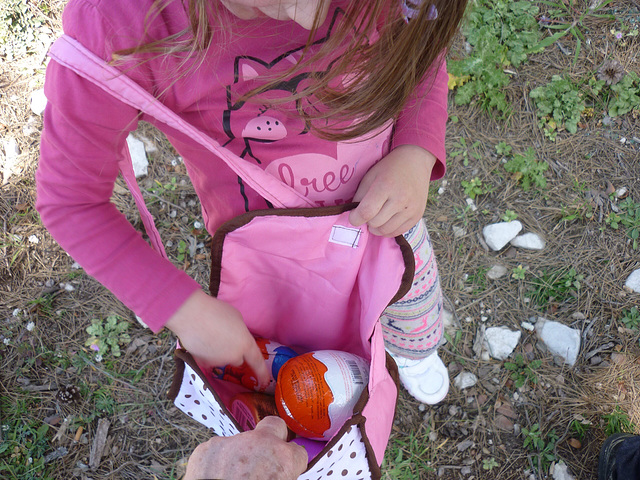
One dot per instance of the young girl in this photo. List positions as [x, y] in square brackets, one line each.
[341, 99]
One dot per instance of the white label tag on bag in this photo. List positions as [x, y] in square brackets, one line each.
[348, 236]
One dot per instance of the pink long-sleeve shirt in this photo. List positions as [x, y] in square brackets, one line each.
[85, 130]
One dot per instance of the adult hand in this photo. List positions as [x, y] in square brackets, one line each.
[215, 334]
[393, 193]
[259, 454]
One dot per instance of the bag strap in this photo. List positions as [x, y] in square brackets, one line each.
[73, 55]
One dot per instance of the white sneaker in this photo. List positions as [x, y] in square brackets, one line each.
[427, 379]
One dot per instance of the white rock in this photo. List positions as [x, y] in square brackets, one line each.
[472, 204]
[621, 192]
[497, 271]
[11, 153]
[561, 472]
[528, 326]
[497, 235]
[530, 241]
[465, 380]
[559, 339]
[34, 239]
[138, 156]
[501, 341]
[38, 101]
[633, 282]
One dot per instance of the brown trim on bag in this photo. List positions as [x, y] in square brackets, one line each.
[241, 220]
[183, 357]
[409, 268]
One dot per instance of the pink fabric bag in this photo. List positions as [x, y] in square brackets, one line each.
[301, 276]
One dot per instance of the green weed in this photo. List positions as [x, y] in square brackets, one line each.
[509, 216]
[519, 272]
[475, 187]
[503, 149]
[526, 170]
[559, 106]
[631, 318]
[407, 458]
[617, 422]
[543, 445]
[502, 34]
[555, 286]
[630, 219]
[521, 372]
[580, 428]
[489, 464]
[626, 95]
[24, 442]
[464, 151]
[107, 336]
[567, 19]
[22, 29]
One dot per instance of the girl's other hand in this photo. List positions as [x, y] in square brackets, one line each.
[215, 334]
[393, 193]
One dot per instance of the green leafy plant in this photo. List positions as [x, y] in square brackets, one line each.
[631, 318]
[626, 95]
[630, 219]
[182, 250]
[509, 216]
[543, 445]
[526, 170]
[407, 458]
[617, 422]
[23, 29]
[519, 272]
[503, 149]
[580, 427]
[521, 372]
[474, 187]
[567, 19]
[464, 151]
[107, 336]
[555, 286]
[24, 442]
[559, 106]
[502, 34]
[489, 464]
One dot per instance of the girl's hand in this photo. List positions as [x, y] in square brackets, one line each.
[215, 334]
[393, 193]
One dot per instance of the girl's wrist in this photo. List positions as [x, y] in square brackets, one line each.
[427, 158]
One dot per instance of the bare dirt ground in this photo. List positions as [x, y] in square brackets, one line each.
[53, 391]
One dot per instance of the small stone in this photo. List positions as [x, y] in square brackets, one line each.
[497, 235]
[496, 272]
[465, 380]
[529, 241]
[633, 281]
[560, 340]
[34, 239]
[465, 470]
[528, 326]
[578, 316]
[138, 156]
[575, 443]
[503, 423]
[38, 101]
[596, 360]
[464, 445]
[501, 341]
[561, 472]
[433, 436]
[618, 358]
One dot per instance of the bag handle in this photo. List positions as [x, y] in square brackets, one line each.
[73, 55]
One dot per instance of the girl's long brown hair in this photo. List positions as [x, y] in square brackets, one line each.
[386, 71]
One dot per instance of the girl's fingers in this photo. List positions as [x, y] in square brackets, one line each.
[253, 358]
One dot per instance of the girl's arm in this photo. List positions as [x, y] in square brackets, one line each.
[393, 193]
[84, 132]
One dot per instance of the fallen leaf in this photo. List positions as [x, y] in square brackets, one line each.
[575, 443]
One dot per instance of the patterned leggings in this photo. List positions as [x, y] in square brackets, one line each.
[412, 327]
